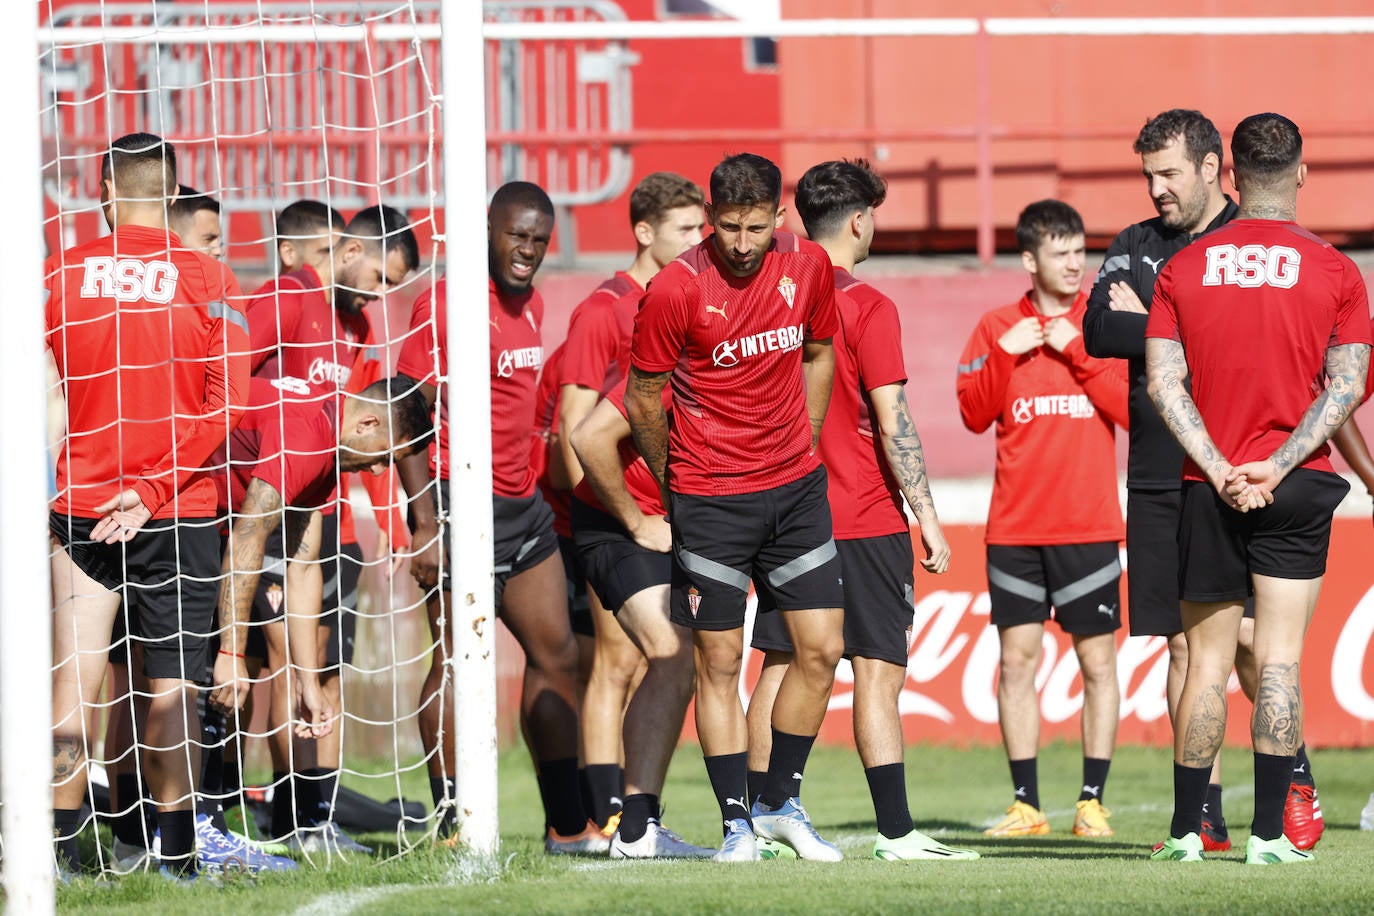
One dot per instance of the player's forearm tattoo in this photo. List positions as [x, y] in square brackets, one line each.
[648, 420]
[1206, 728]
[1277, 724]
[257, 517]
[1166, 373]
[907, 459]
[1347, 366]
[66, 756]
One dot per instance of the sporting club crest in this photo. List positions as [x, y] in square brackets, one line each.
[693, 601]
[788, 288]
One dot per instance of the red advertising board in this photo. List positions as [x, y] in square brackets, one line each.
[950, 695]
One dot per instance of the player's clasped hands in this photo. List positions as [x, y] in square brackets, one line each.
[121, 518]
[1059, 333]
[1250, 485]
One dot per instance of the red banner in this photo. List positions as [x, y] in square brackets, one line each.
[950, 694]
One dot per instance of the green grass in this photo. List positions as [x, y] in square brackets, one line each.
[954, 794]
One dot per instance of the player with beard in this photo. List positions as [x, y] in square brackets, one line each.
[530, 590]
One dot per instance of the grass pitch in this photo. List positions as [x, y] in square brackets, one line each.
[954, 794]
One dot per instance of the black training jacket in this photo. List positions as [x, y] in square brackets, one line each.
[1137, 255]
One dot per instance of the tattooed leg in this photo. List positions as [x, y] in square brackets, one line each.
[1211, 630]
[1276, 726]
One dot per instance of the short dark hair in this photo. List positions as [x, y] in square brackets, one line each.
[745, 180]
[144, 163]
[189, 202]
[522, 195]
[1200, 135]
[383, 228]
[1046, 219]
[411, 423]
[1264, 146]
[306, 219]
[830, 191]
[660, 192]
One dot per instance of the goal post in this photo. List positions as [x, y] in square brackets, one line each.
[25, 638]
[473, 624]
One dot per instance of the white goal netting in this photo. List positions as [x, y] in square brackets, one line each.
[266, 103]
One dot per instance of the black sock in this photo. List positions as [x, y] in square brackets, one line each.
[635, 816]
[1094, 778]
[283, 805]
[1025, 782]
[730, 782]
[439, 787]
[1190, 793]
[887, 785]
[310, 804]
[605, 788]
[1302, 768]
[1211, 809]
[329, 788]
[786, 764]
[1272, 776]
[66, 822]
[178, 829]
[755, 779]
[231, 779]
[563, 809]
[129, 826]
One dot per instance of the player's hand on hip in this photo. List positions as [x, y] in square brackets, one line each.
[937, 549]
[653, 533]
[314, 716]
[1121, 297]
[231, 683]
[121, 518]
[1022, 337]
[1059, 333]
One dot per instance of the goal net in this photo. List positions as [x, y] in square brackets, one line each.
[266, 104]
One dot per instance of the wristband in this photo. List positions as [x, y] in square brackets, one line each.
[230, 654]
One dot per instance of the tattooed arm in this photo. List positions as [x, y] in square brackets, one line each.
[1166, 373]
[818, 368]
[256, 518]
[902, 446]
[649, 422]
[1347, 367]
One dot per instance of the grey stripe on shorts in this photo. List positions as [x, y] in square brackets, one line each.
[1086, 585]
[704, 566]
[1009, 583]
[812, 559]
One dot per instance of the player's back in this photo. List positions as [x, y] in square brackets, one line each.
[134, 322]
[1255, 305]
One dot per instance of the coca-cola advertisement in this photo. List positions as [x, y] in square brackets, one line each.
[950, 694]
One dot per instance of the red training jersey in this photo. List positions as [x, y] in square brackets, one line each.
[1056, 460]
[153, 358]
[865, 500]
[291, 445]
[598, 340]
[734, 346]
[517, 352]
[1256, 304]
[639, 480]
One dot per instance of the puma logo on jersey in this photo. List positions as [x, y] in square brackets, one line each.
[129, 280]
[711, 309]
[1250, 266]
[1153, 262]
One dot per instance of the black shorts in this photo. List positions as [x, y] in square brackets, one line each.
[781, 538]
[1152, 561]
[617, 567]
[168, 580]
[1220, 548]
[879, 594]
[341, 574]
[522, 530]
[1082, 582]
[579, 605]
